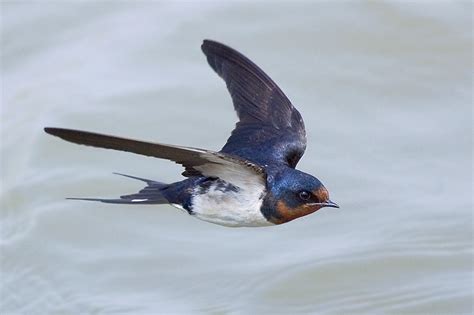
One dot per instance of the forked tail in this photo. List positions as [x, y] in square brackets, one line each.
[151, 194]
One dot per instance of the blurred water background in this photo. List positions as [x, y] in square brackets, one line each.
[385, 89]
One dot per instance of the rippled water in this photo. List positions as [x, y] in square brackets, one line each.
[385, 90]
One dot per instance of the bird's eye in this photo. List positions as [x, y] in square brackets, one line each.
[304, 195]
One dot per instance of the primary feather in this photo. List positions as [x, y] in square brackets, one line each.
[268, 122]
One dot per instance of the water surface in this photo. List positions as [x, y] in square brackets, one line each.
[385, 91]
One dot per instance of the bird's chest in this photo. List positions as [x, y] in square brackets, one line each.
[220, 202]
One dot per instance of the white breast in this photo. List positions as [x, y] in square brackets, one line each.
[231, 208]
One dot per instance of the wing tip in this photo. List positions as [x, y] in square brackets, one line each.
[210, 46]
[207, 43]
[50, 130]
[58, 132]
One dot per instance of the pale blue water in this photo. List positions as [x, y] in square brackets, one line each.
[385, 89]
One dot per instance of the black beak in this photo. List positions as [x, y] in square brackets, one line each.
[331, 204]
[327, 203]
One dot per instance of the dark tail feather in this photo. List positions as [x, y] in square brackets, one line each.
[151, 194]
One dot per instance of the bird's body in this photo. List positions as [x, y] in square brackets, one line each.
[224, 203]
[252, 181]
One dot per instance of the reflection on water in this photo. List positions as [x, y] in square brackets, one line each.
[385, 90]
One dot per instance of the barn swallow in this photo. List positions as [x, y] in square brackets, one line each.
[252, 180]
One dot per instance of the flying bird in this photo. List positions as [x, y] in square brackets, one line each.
[252, 181]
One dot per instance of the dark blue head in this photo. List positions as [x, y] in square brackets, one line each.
[293, 194]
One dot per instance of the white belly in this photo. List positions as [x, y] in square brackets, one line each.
[230, 208]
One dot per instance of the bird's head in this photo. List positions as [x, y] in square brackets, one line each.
[293, 194]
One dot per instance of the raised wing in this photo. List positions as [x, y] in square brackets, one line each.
[270, 129]
[197, 162]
